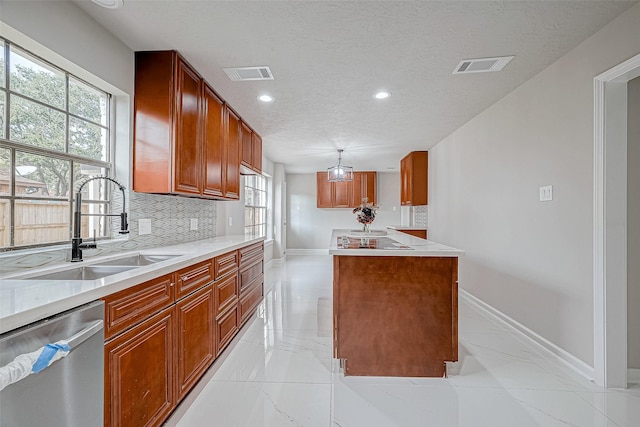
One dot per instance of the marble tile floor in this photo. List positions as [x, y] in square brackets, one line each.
[278, 371]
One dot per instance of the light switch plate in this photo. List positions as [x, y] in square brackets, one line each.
[194, 224]
[546, 193]
[144, 226]
[230, 221]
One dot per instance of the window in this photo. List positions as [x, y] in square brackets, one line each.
[54, 133]
[255, 205]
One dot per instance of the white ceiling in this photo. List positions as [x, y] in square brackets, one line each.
[329, 57]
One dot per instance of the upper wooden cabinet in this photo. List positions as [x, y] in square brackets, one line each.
[187, 140]
[347, 194]
[213, 134]
[413, 179]
[251, 151]
[233, 146]
[364, 186]
[167, 148]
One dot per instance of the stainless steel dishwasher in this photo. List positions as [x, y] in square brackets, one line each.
[70, 391]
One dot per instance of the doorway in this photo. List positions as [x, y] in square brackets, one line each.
[610, 223]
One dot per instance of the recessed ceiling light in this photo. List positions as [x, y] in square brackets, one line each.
[109, 4]
[265, 98]
[382, 95]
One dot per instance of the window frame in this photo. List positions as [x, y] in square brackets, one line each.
[250, 229]
[75, 160]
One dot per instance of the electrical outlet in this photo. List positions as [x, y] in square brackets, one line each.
[546, 193]
[230, 221]
[194, 224]
[144, 226]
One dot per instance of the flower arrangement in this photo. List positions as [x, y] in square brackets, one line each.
[366, 213]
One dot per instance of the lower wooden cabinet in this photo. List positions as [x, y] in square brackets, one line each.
[226, 328]
[196, 337]
[140, 373]
[249, 300]
[162, 335]
[417, 233]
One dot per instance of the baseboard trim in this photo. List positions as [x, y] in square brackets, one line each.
[633, 376]
[539, 342]
[279, 261]
[308, 251]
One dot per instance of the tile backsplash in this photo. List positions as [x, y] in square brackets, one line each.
[420, 216]
[170, 224]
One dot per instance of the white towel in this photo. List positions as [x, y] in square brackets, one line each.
[22, 366]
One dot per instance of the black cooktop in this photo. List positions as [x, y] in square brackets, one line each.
[348, 242]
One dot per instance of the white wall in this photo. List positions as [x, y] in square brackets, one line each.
[633, 223]
[310, 228]
[531, 260]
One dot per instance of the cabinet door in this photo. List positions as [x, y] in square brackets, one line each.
[342, 194]
[213, 143]
[404, 182]
[226, 328]
[324, 197]
[196, 337]
[232, 148]
[247, 149]
[140, 375]
[364, 186]
[256, 144]
[187, 155]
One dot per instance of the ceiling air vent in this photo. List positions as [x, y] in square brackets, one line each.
[237, 74]
[482, 65]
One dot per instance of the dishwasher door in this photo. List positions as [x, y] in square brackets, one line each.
[70, 392]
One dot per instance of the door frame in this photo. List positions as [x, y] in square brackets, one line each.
[610, 223]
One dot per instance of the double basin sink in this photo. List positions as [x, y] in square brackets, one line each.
[103, 269]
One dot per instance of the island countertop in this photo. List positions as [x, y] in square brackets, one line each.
[25, 301]
[395, 244]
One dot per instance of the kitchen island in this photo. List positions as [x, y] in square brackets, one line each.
[395, 304]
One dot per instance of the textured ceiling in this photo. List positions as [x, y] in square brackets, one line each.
[328, 59]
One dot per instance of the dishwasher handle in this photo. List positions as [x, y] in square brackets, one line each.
[26, 364]
[85, 334]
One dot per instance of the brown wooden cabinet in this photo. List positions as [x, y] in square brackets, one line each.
[233, 134]
[163, 334]
[213, 134]
[187, 140]
[413, 179]
[251, 151]
[364, 186]
[348, 194]
[167, 145]
[140, 373]
[195, 336]
[417, 233]
[411, 304]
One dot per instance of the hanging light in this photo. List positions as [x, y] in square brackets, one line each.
[340, 172]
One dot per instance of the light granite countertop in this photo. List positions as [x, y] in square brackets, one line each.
[395, 244]
[26, 301]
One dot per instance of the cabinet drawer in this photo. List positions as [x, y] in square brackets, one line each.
[249, 301]
[226, 328]
[248, 275]
[131, 306]
[193, 277]
[250, 254]
[226, 291]
[225, 264]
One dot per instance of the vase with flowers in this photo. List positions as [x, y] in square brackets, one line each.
[365, 214]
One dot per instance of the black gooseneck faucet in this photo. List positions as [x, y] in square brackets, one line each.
[76, 242]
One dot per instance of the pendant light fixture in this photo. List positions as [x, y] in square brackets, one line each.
[340, 172]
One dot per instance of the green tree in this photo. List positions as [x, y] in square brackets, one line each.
[37, 125]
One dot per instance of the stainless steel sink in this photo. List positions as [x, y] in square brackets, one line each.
[89, 272]
[136, 260]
